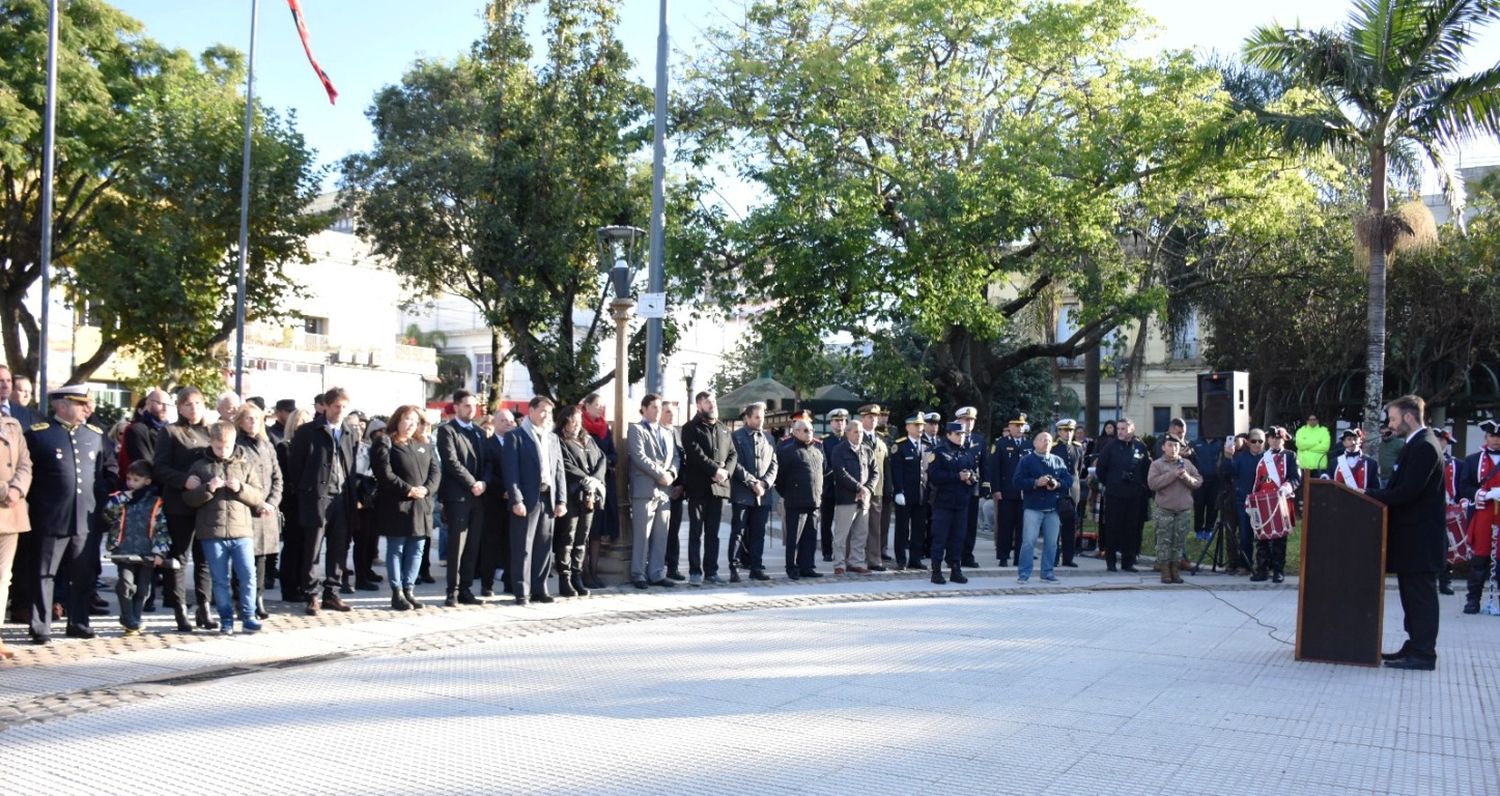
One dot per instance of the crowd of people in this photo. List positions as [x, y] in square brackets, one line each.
[306, 499]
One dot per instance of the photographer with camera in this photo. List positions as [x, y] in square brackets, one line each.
[1042, 479]
[1122, 469]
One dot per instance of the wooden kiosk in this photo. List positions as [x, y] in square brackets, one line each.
[1341, 596]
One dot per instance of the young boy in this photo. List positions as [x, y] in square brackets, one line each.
[137, 541]
[224, 488]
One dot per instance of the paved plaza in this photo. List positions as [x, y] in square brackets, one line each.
[1104, 684]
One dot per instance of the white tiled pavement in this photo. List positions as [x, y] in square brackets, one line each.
[1129, 692]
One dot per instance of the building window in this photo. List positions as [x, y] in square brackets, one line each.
[484, 370]
[313, 325]
[1067, 326]
[1161, 417]
[1184, 343]
[1190, 417]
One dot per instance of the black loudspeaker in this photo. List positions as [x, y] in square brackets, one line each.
[1223, 404]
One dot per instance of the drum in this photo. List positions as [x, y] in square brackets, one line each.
[1270, 516]
[1458, 534]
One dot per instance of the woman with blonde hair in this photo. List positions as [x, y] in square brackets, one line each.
[15, 481]
[256, 446]
[407, 474]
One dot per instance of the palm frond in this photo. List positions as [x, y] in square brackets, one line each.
[1435, 35]
[1404, 164]
[1329, 131]
[1325, 60]
[1452, 182]
[1449, 110]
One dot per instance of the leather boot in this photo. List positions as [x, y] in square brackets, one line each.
[1109, 561]
[205, 621]
[260, 608]
[937, 573]
[1165, 568]
[578, 585]
[565, 585]
[411, 599]
[1479, 572]
[184, 626]
[398, 601]
[957, 575]
[1176, 571]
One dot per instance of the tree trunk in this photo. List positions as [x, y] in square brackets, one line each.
[1375, 241]
[497, 373]
[16, 320]
[1091, 392]
[82, 371]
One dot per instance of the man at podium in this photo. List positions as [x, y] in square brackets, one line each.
[1416, 540]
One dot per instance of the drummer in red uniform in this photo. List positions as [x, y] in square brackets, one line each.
[1480, 480]
[1352, 468]
[1277, 472]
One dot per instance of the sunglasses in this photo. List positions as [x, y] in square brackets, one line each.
[1257, 442]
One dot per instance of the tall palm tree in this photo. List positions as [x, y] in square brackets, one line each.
[1389, 89]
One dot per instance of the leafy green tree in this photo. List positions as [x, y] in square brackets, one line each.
[1384, 85]
[158, 272]
[954, 168]
[491, 173]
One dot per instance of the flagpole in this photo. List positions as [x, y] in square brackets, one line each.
[239, 295]
[49, 130]
[657, 275]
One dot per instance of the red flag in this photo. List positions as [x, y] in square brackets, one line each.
[296, 7]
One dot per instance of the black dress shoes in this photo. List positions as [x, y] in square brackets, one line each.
[810, 573]
[675, 575]
[79, 632]
[1397, 655]
[543, 598]
[467, 598]
[664, 583]
[973, 563]
[1413, 663]
[641, 584]
[758, 575]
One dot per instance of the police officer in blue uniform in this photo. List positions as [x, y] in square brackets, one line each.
[975, 443]
[953, 475]
[1009, 451]
[908, 471]
[69, 475]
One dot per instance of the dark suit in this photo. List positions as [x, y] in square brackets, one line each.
[320, 473]
[706, 448]
[494, 546]
[461, 451]
[69, 482]
[1009, 509]
[22, 415]
[527, 484]
[755, 457]
[1416, 542]
[908, 478]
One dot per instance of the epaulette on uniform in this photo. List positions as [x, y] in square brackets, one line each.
[94, 428]
[42, 426]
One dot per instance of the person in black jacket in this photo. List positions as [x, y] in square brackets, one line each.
[494, 548]
[466, 473]
[708, 462]
[320, 469]
[1416, 539]
[750, 489]
[1008, 452]
[799, 481]
[909, 482]
[290, 560]
[584, 468]
[407, 473]
[1122, 469]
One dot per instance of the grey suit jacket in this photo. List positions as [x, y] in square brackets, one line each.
[650, 461]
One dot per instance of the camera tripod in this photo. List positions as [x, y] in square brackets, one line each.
[1224, 544]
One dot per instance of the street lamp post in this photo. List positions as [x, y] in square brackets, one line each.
[619, 251]
[689, 370]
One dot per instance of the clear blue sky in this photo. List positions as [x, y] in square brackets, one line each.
[367, 44]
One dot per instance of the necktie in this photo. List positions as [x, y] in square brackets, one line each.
[5, 408]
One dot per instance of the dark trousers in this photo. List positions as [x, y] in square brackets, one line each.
[1419, 604]
[1067, 529]
[825, 525]
[1245, 555]
[465, 521]
[180, 527]
[494, 545]
[1206, 506]
[971, 529]
[674, 535]
[366, 545]
[290, 560]
[332, 527]
[911, 534]
[66, 554]
[747, 535]
[1270, 553]
[1008, 515]
[801, 539]
[704, 516]
[530, 550]
[570, 539]
[132, 585]
[1125, 518]
[948, 533]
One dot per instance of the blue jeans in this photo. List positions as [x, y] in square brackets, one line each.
[240, 554]
[1035, 520]
[403, 557]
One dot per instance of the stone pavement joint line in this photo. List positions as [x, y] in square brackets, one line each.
[55, 706]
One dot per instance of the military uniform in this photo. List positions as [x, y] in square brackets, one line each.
[908, 471]
[828, 442]
[1071, 454]
[951, 500]
[69, 480]
[976, 444]
[1008, 453]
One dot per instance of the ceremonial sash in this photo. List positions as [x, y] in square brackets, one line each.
[1346, 473]
[1273, 461]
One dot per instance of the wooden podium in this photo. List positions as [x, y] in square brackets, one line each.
[1341, 596]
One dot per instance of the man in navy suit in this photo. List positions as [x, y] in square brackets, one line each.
[9, 407]
[1416, 537]
[532, 467]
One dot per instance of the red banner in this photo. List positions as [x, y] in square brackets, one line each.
[296, 7]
